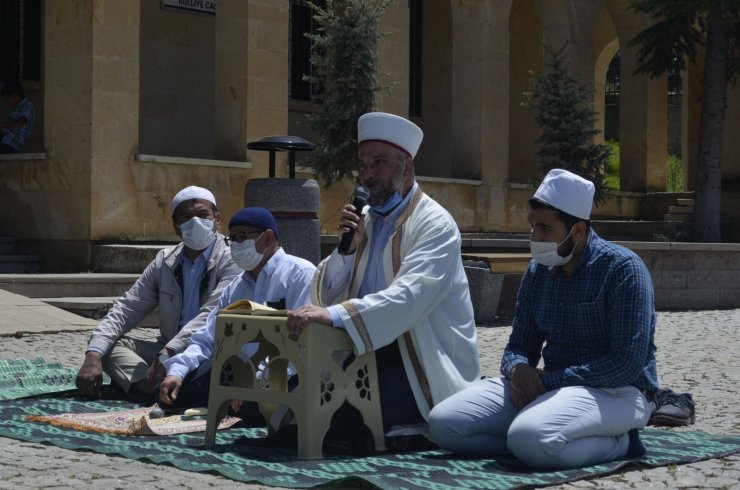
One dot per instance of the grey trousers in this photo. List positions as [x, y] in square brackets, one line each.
[126, 363]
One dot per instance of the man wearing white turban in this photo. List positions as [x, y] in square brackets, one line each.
[401, 290]
[184, 281]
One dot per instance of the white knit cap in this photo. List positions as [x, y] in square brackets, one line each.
[567, 192]
[391, 129]
[192, 192]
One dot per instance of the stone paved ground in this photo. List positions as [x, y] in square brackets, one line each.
[697, 352]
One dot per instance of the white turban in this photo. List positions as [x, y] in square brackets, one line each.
[388, 128]
[192, 192]
[567, 192]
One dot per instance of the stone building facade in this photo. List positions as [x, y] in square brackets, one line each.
[137, 99]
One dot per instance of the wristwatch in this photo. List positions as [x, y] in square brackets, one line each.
[163, 356]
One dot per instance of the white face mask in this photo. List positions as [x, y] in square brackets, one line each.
[197, 233]
[245, 255]
[546, 253]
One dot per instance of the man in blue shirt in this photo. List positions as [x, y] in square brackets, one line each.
[269, 276]
[16, 128]
[585, 306]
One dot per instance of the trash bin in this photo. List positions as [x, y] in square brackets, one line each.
[293, 202]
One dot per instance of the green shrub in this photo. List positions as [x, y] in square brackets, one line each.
[674, 174]
[674, 170]
[611, 179]
[565, 115]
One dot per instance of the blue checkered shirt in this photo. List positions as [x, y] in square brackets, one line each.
[597, 326]
[17, 137]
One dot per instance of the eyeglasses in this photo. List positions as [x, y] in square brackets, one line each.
[242, 236]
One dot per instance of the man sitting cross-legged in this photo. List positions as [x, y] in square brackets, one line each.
[184, 282]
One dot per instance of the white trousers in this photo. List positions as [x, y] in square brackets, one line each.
[564, 428]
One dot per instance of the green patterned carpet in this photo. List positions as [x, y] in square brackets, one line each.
[28, 377]
[279, 467]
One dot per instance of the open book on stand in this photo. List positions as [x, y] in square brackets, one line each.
[249, 307]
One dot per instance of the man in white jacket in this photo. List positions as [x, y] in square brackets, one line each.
[401, 291]
[270, 277]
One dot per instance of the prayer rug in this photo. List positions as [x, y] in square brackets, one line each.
[129, 422]
[279, 466]
[29, 377]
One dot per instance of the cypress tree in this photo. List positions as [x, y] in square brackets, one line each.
[344, 81]
[566, 117]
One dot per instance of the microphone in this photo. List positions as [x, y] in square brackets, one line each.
[359, 202]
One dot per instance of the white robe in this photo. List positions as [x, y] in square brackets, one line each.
[426, 306]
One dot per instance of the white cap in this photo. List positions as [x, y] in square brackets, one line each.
[391, 129]
[192, 192]
[567, 192]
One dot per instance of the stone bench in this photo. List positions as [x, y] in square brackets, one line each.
[501, 262]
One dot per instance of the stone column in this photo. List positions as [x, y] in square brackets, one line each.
[643, 125]
[691, 80]
[115, 119]
[91, 83]
[63, 200]
[480, 104]
[393, 59]
[643, 130]
[251, 79]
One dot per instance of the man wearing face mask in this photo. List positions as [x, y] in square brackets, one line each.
[590, 304]
[401, 291]
[184, 281]
[269, 276]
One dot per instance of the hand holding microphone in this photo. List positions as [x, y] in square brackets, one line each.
[359, 201]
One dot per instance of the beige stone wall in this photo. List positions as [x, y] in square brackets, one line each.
[115, 120]
[267, 77]
[626, 205]
[143, 212]
[231, 86]
[56, 192]
[393, 59]
[177, 80]
[458, 197]
[435, 155]
[693, 275]
[684, 275]
[126, 77]
[132, 198]
[526, 57]
[494, 116]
